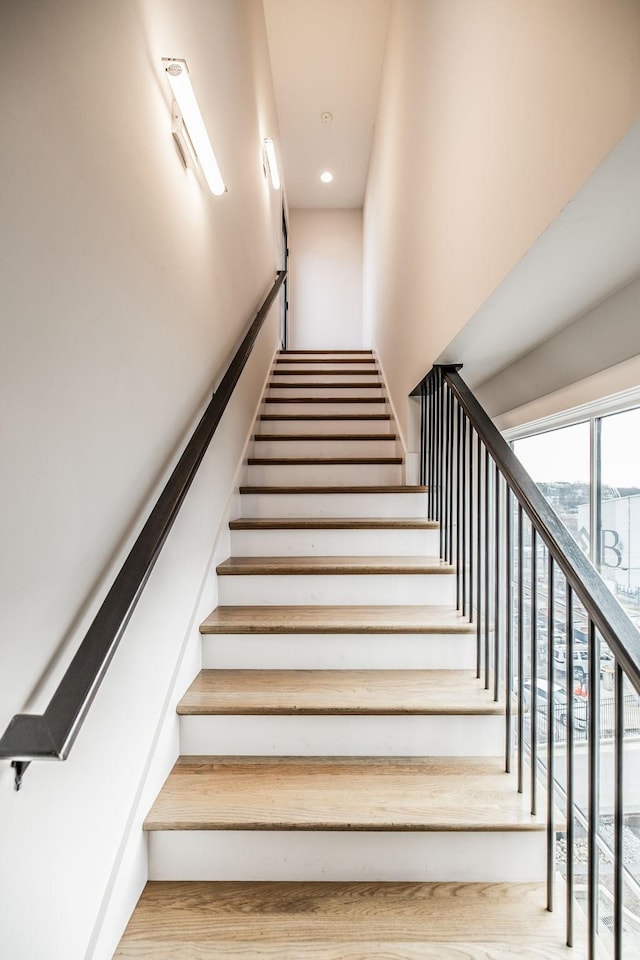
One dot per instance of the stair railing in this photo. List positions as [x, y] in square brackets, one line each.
[51, 735]
[516, 564]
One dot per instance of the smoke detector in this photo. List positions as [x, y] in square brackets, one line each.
[326, 117]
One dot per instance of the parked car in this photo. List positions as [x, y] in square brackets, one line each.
[559, 704]
[580, 662]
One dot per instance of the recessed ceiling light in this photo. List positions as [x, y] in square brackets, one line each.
[326, 177]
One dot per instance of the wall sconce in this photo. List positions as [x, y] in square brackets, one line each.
[188, 126]
[271, 162]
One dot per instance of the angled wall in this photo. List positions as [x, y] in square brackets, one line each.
[491, 116]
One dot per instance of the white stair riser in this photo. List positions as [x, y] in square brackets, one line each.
[362, 390]
[282, 375]
[321, 474]
[334, 543]
[339, 651]
[346, 736]
[309, 589]
[326, 447]
[500, 856]
[325, 427]
[325, 407]
[334, 505]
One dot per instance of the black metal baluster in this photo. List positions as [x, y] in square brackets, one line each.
[520, 650]
[496, 601]
[487, 653]
[440, 460]
[423, 428]
[446, 440]
[434, 446]
[431, 452]
[534, 671]
[463, 533]
[452, 435]
[471, 522]
[479, 555]
[594, 776]
[458, 441]
[550, 731]
[508, 629]
[618, 892]
[570, 771]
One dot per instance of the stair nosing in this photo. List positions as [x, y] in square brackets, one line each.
[324, 400]
[333, 566]
[373, 488]
[213, 693]
[332, 523]
[290, 437]
[374, 385]
[388, 776]
[325, 373]
[313, 461]
[286, 620]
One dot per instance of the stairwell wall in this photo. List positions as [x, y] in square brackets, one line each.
[126, 288]
[491, 116]
[326, 279]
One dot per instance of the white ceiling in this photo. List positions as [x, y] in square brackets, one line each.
[591, 249]
[326, 55]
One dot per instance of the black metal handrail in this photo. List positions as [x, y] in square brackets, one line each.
[486, 503]
[51, 735]
[603, 609]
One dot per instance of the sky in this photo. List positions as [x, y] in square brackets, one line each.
[563, 455]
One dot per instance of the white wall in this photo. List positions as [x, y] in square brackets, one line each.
[604, 337]
[325, 297]
[125, 289]
[491, 116]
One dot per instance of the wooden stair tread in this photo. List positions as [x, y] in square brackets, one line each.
[341, 566]
[323, 436]
[353, 692]
[261, 920]
[369, 372]
[373, 488]
[325, 386]
[285, 354]
[336, 619]
[312, 461]
[332, 523]
[324, 399]
[326, 416]
[340, 793]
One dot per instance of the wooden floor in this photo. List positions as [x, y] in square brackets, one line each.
[426, 619]
[368, 692]
[333, 793]
[344, 921]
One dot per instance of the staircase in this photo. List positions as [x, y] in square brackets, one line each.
[341, 791]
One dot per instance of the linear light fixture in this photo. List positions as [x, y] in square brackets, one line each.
[272, 162]
[198, 142]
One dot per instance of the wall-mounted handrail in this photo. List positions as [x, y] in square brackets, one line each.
[51, 735]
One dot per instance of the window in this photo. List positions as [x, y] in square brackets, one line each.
[560, 463]
[619, 508]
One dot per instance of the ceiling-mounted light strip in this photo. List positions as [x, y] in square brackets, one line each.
[178, 75]
[272, 162]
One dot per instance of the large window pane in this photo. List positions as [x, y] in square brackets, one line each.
[560, 463]
[620, 508]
